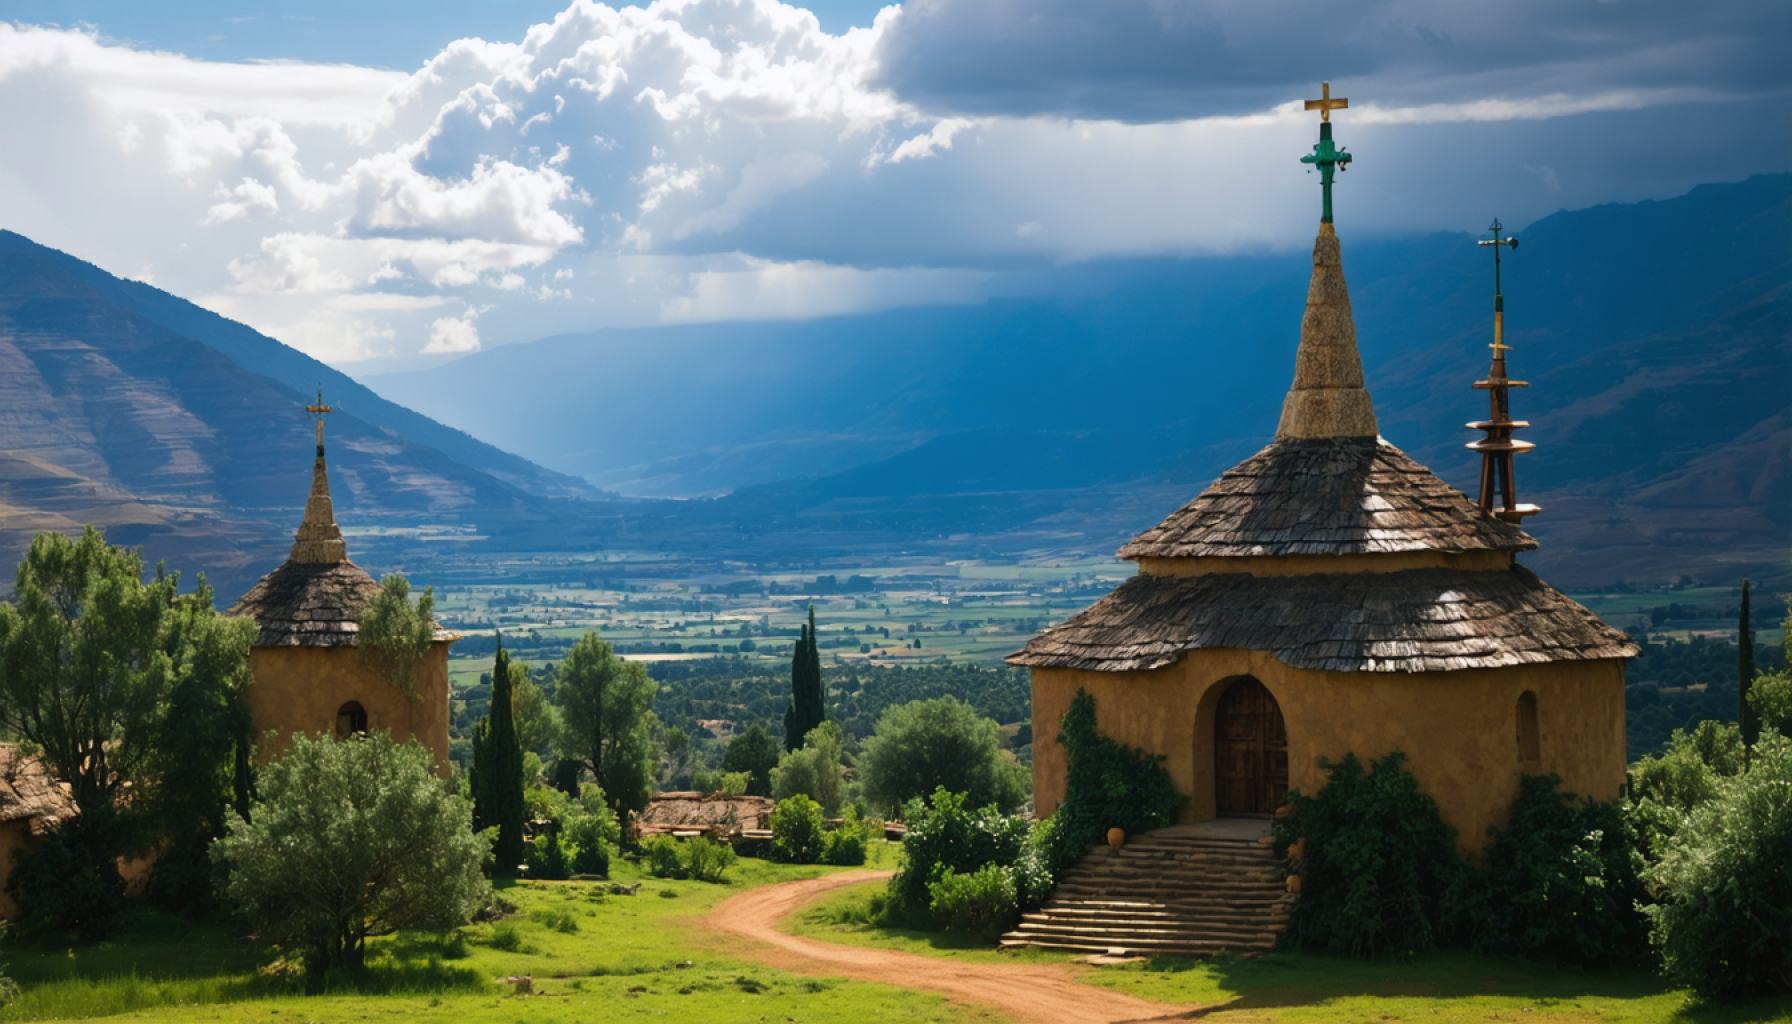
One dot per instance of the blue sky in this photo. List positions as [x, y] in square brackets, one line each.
[389, 184]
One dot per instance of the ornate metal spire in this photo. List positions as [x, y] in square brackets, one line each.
[1498, 485]
[1326, 156]
[318, 540]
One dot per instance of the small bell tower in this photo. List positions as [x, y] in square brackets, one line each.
[1499, 489]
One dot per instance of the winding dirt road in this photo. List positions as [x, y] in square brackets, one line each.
[1029, 993]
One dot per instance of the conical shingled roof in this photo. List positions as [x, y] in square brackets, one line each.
[1326, 496]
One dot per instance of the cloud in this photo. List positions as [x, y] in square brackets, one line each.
[707, 159]
[1166, 60]
[454, 335]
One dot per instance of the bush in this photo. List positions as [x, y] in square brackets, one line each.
[981, 903]
[547, 858]
[706, 860]
[1377, 862]
[927, 744]
[353, 838]
[67, 886]
[590, 851]
[733, 784]
[796, 830]
[1560, 881]
[662, 857]
[1664, 787]
[946, 835]
[1107, 784]
[1723, 923]
[846, 844]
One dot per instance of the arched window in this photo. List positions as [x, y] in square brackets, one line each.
[351, 718]
[1528, 752]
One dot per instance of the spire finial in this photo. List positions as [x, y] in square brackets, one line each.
[1498, 483]
[1326, 156]
[318, 409]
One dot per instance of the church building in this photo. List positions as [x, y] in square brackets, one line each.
[1328, 596]
[306, 674]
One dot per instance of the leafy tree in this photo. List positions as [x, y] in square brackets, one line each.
[64, 886]
[808, 696]
[1770, 695]
[1107, 784]
[755, 753]
[537, 720]
[815, 770]
[394, 634]
[1377, 861]
[1723, 920]
[606, 706]
[125, 682]
[925, 745]
[1665, 787]
[498, 772]
[352, 838]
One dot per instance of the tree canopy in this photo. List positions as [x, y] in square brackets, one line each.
[755, 753]
[606, 709]
[394, 633]
[815, 770]
[928, 744]
[352, 838]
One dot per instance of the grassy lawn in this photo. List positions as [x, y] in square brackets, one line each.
[1445, 987]
[593, 956]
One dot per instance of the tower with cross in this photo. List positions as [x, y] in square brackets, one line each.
[1499, 488]
[1327, 156]
[318, 411]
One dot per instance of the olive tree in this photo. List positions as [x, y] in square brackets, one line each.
[353, 838]
[924, 745]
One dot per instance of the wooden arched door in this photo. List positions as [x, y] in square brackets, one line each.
[1250, 750]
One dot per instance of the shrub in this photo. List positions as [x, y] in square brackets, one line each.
[1377, 863]
[846, 844]
[796, 830]
[706, 860]
[590, 850]
[944, 834]
[662, 857]
[1723, 923]
[547, 858]
[67, 886]
[733, 784]
[1665, 786]
[506, 937]
[980, 903]
[353, 838]
[1560, 881]
[926, 744]
[1107, 784]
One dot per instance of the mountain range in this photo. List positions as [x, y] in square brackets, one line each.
[1054, 422]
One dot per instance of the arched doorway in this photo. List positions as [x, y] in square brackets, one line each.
[1250, 750]
[351, 718]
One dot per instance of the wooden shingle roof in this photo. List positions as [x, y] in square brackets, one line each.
[309, 604]
[29, 793]
[1326, 496]
[1417, 620]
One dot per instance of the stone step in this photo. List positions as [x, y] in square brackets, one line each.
[1127, 933]
[1150, 947]
[1170, 888]
[1180, 908]
[1073, 914]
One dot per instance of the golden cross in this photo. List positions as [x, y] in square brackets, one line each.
[1325, 104]
[318, 409]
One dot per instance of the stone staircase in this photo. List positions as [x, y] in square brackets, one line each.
[1188, 890]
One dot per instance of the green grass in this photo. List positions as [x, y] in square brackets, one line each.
[593, 956]
[1297, 987]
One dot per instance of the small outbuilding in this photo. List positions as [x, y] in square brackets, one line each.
[32, 803]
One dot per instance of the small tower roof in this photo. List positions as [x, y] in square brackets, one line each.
[318, 540]
[1328, 398]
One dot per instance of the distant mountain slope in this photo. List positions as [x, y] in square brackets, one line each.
[111, 417]
[1655, 334]
[263, 355]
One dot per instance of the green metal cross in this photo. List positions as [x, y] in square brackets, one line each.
[1326, 156]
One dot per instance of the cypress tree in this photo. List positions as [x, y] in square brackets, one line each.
[808, 698]
[504, 766]
[1745, 674]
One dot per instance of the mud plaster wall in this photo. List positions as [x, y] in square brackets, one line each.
[1459, 730]
[299, 689]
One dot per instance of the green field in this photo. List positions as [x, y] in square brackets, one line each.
[592, 955]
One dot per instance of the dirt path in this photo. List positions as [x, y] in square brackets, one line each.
[1030, 993]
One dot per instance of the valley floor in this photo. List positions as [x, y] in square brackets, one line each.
[790, 943]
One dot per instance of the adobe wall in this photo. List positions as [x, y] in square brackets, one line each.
[299, 689]
[1457, 729]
